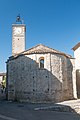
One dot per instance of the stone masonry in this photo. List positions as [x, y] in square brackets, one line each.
[26, 81]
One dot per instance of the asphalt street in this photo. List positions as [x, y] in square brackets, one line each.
[25, 111]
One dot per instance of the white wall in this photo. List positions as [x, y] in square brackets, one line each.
[77, 58]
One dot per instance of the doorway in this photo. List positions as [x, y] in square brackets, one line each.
[78, 82]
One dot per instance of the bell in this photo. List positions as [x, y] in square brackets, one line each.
[18, 18]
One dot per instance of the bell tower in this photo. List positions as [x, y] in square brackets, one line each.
[18, 36]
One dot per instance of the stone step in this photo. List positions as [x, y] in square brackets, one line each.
[56, 108]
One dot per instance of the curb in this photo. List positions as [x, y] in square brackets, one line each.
[56, 108]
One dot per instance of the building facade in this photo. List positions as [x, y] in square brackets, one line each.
[39, 74]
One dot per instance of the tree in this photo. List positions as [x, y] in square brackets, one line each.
[4, 82]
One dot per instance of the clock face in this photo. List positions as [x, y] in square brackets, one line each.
[18, 30]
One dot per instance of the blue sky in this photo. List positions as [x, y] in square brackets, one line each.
[54, 23]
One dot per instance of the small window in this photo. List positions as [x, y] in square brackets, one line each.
[42, 63]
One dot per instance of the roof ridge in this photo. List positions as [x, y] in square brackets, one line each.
[76, 46]
[45, 50]
[42, 45]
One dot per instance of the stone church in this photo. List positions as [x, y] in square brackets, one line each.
[40, 74]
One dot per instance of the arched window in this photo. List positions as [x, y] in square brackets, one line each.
[41, 62]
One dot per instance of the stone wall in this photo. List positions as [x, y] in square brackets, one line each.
[27, 82]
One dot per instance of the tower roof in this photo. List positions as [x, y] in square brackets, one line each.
[76, 46]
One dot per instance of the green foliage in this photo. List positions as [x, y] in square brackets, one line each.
[4, 82]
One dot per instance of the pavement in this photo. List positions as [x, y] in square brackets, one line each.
[66, 106]
[39, 111]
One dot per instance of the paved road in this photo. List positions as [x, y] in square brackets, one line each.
[22, 111]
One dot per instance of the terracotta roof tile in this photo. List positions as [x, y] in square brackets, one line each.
[40, 49]
[43, 49]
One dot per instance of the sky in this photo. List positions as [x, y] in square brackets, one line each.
[54, 23]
